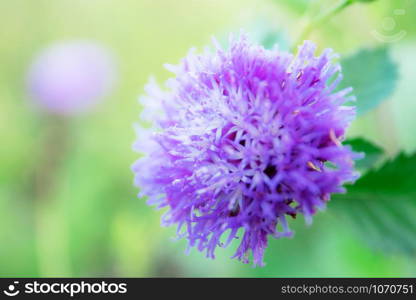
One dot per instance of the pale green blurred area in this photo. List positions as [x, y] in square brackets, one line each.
[94, 224]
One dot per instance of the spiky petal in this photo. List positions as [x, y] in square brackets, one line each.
[246, 137]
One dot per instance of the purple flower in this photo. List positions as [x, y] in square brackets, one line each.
[71, 77]
[246, 138]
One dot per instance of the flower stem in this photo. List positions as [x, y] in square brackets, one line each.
[321, 18]
[51, 235]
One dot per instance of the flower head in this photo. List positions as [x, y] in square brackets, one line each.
[70, 77]
[246, 138]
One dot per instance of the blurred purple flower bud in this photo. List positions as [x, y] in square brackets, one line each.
[71, 77]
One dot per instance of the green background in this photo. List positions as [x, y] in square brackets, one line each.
[92, 223]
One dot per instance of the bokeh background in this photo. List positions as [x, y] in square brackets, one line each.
[91, 223]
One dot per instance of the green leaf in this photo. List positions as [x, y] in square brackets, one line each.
[372, 74]
[381, 206]
[265, 33]
[272, 38]
[372, 152]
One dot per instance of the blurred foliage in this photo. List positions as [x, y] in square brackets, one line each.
[265, 33]
[382, 206]
[372, 153]
[373, 84]
[363, 0]
[92, 224]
